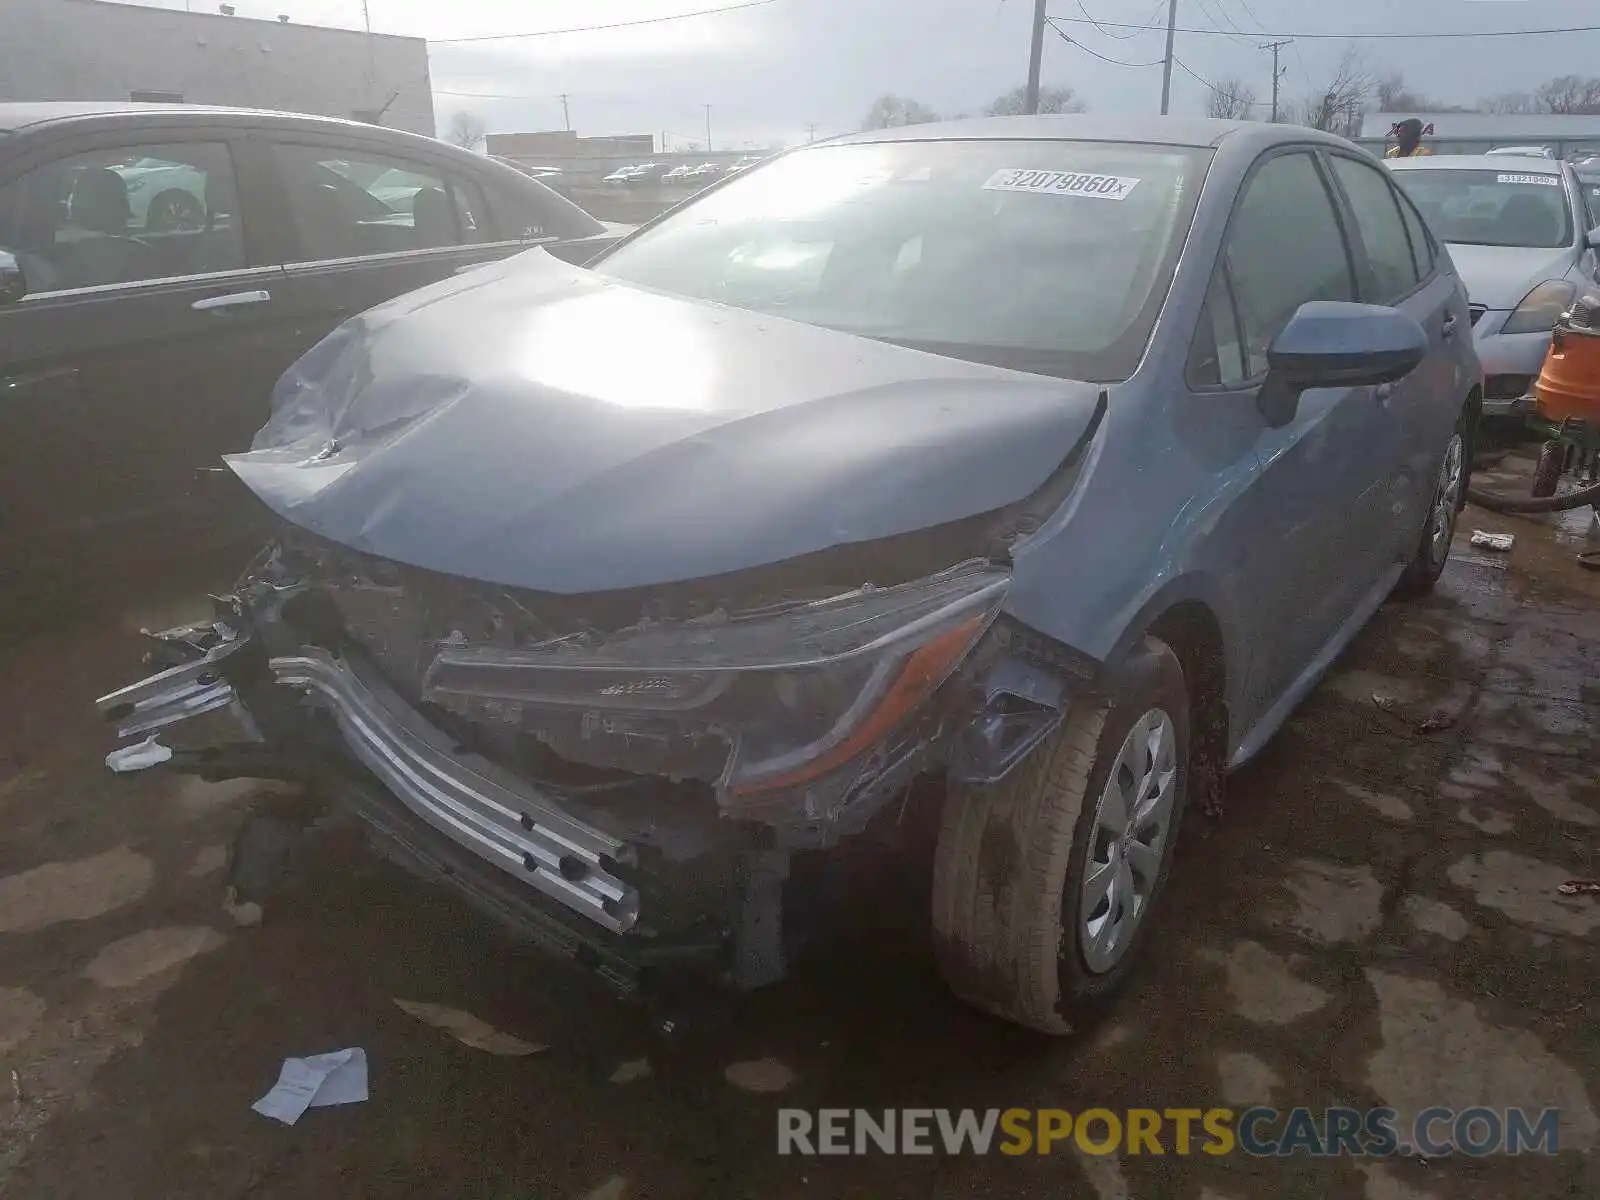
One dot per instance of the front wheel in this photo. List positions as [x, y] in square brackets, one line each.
[1043, 884]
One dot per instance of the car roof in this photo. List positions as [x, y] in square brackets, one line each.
[1196, 132]
[27, 115]
[1479, 162]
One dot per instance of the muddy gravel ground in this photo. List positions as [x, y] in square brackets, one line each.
[1375, 920]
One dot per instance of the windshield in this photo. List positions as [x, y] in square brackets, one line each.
[1492, 208]
[1045, 256]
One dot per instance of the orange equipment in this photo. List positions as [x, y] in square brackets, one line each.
[1569, 384]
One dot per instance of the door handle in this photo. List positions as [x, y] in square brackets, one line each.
[231, 300]
[1451, 323]
[1383, 392]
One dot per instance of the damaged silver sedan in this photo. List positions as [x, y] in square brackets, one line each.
[1030, 468]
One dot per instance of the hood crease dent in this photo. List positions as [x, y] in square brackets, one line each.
[539, 426]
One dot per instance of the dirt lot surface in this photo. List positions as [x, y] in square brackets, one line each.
[1375, 920]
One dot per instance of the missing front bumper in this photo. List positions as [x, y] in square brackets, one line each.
[486, 811]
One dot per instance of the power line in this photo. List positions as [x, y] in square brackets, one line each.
[1250, 12]
[1491, 33]
[1236, 33]
[1149, 22]
[1115, 62]
[506, 37]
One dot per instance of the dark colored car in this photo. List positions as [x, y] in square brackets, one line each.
[164, 265]
[1032, 467]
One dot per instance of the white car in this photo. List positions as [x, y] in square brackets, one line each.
[164, 197]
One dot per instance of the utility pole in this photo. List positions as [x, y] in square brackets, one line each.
[708, 128]
[566, 115]
[1035, 57]
[1277, 75]
[1166, 69]
[372, 69]
[811, 133]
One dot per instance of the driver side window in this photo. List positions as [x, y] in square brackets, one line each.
[123, 215]
[1284, 247]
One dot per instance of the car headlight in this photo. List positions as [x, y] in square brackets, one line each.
[1541, 308]
[795, 692]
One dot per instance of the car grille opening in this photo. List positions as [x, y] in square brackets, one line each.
[1506, 387]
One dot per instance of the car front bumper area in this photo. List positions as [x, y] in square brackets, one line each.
[523, 856]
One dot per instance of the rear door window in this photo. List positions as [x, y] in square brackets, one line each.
[123, 215]
[354, 204]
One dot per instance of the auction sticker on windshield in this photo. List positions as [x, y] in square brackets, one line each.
[1541, 180]
[1062, 183]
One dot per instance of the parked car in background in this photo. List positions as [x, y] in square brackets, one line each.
[621, 174]
[164, 196]
[164, 264]
[645, 173]
[553, 178]
[674, 174]
[1032, 469]
[1588, 175]
[1522, 235]
[745, 163]
[705, 171]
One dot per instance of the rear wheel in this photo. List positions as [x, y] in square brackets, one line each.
[173, 211]
[1043, 883]
[1449, 491]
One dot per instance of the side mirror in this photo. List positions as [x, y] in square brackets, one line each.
[13, 283]
[1594, 239]
[1334, 344]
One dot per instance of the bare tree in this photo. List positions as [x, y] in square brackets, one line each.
[1337, 106]
[889, 111]
[466, 130]
[1395, 97]
[1232, 100]
[1051, 100]
[1569, 94]
[1509, 104]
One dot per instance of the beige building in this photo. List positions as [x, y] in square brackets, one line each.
[99, 50]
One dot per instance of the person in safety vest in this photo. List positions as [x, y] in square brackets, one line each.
[1407, 136]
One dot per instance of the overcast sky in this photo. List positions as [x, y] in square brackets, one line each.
[772, 72]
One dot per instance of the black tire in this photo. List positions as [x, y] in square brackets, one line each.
[1552, 459]
[175, 210]
[1009, 867]
[1433, 549]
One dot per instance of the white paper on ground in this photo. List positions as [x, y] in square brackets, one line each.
[339, 1077]
[138, 756]
[1493, 541]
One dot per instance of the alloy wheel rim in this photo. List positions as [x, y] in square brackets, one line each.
[1129, 840]
[1447, 499]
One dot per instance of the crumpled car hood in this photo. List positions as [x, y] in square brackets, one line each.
[1498, 277]
[539, 426]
